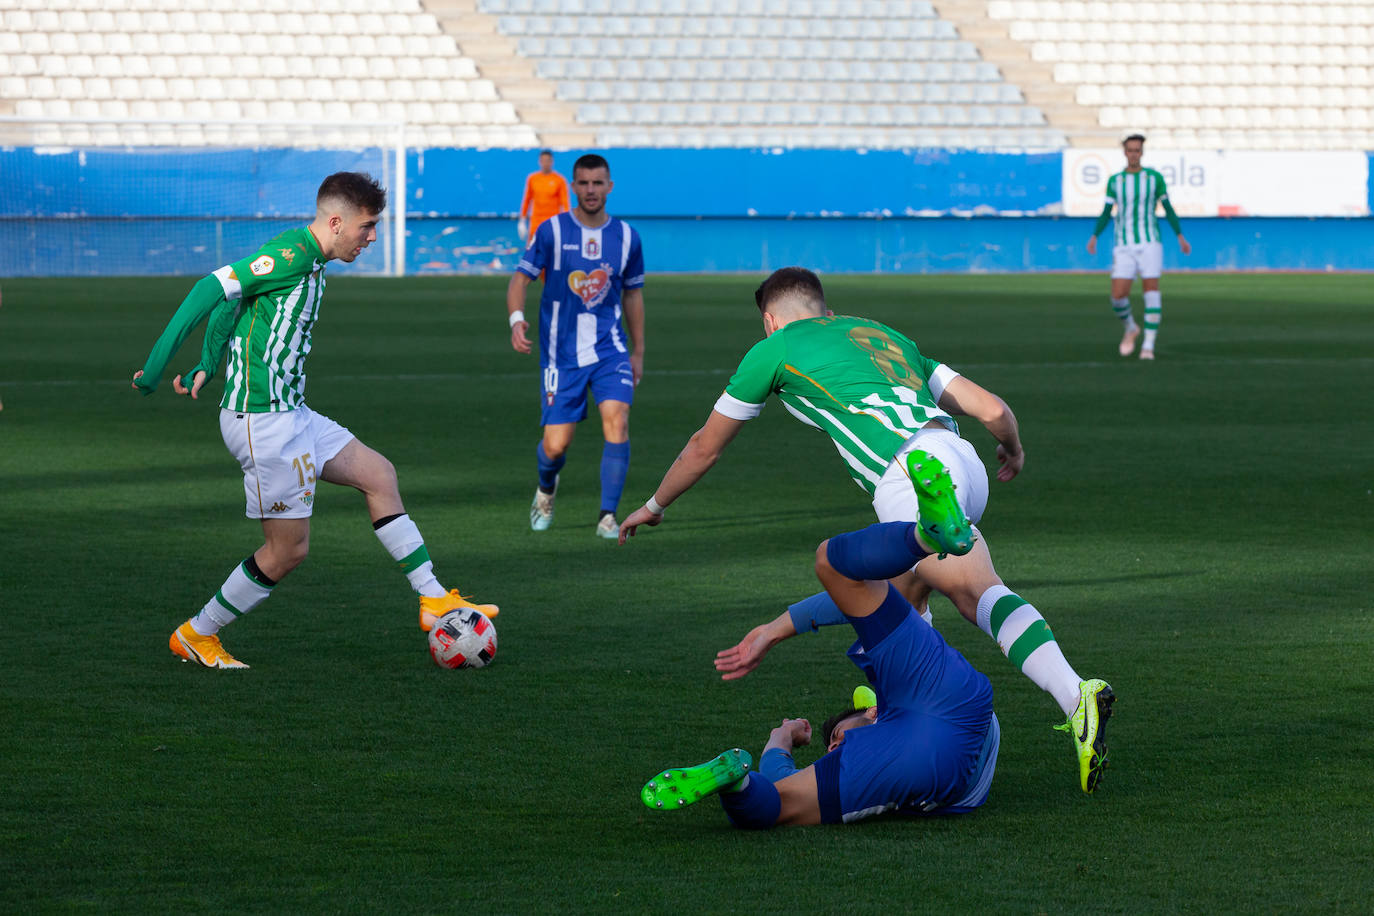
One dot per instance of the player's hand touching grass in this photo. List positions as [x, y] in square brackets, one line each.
[641, 516]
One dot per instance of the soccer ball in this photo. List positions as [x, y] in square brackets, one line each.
[463, 639]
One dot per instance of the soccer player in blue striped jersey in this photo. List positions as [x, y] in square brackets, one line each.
[1136, 192]
[923, 741]
[593, 269]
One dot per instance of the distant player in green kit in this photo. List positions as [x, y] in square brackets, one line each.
[880, 400]
[263, 309]
[1135, 192]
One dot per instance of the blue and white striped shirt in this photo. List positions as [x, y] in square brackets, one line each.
[585, 271]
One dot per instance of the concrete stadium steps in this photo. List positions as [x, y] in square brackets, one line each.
[553, 121]
[1013, 58]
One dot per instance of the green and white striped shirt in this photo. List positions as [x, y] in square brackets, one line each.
[1136, 195]
[274, 298]
[861, 383]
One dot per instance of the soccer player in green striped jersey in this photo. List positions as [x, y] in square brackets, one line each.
[262, 310]
[879, 398]
[1136, 192]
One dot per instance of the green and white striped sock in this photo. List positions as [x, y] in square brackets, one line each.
[239, 594]
[1025, 639]
[1153, 311]
[401, 538]
[1122, 308]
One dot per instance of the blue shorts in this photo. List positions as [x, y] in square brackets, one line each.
[563, 392]
[934, 745]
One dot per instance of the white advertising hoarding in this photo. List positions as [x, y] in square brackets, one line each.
[1219, 183]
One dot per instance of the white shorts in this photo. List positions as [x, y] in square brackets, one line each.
[1145, 260]
[281, 455]
[894, 499]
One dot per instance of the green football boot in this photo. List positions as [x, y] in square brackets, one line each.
[1088, 728]
[679, 787]
[942, 523]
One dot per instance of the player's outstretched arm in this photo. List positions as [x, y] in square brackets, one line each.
[515, 310]
[967, 398]
[696, 458]
[200, 302]
[738, 660]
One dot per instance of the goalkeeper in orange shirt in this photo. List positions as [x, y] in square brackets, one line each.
[546, 194]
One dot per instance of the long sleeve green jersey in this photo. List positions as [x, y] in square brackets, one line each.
[261, 309]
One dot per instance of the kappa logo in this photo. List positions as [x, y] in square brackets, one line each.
[278, 506]
[592, 287]
[262, 266]
[288, 254]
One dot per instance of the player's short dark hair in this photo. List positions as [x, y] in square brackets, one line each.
[788, 281]
[546, 152]
[828, 727]
[591, 161]
[1140, 137]
[357, 189]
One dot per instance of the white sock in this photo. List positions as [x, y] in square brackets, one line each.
[239, 594]
[402, 540]
[1154, 310]
[1026, 640]
[1122, 308]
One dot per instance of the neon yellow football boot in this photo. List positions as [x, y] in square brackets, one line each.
[1088, 728]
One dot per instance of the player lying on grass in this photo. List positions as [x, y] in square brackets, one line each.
[926, 745]
[878, 398]
[263, 309]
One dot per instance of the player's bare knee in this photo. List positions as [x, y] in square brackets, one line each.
[824, 571]
[616, 428]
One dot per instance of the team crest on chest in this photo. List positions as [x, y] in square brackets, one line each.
[591, 247]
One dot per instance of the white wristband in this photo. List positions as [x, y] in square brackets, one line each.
[515, 316]
[653, 506]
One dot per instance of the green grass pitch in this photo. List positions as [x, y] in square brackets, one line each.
[1199, 531]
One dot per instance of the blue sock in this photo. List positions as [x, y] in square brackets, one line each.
[753, 805]
[775, 764]
[875, 553]
[615, 464]
[549, 468]
[810, 614]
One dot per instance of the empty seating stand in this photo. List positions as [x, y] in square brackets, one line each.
[138, 63]
[1258, 74]
[862, 73]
